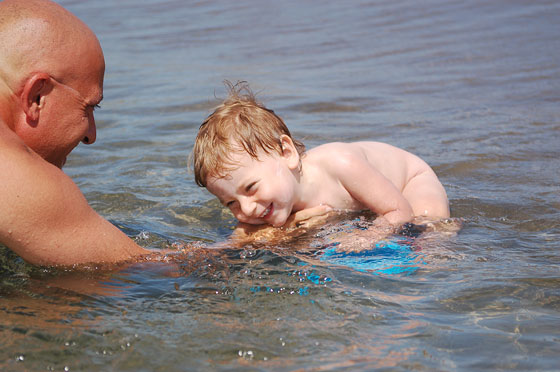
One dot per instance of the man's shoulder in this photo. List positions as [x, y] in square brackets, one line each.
[9, 141]
[24, 175]
[14, 154]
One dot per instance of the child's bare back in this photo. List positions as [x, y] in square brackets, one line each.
[374, 175]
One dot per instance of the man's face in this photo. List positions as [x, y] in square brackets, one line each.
[73, 121]
[259, 191]
[66, 118]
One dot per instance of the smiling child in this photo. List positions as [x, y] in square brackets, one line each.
[245, 155]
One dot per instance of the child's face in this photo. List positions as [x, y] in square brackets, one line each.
[257, 191]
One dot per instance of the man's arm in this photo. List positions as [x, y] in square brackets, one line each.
[46, 219]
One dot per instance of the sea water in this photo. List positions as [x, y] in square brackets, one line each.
[473, 87]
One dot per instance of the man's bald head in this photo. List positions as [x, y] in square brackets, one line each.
[42, 36]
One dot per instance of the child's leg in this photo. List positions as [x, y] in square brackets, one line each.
[427, 196]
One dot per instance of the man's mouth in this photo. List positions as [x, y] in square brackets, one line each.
[267, 212]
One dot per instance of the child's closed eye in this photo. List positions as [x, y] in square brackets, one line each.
[251, 188]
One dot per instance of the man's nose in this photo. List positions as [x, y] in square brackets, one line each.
[91, 133]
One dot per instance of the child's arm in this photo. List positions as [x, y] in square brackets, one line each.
[367, 185]
[304, 218]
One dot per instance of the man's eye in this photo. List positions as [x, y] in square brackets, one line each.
[91, 108]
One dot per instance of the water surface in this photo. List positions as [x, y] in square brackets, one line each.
[472, 87]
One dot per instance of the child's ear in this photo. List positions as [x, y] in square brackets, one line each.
[289, 152]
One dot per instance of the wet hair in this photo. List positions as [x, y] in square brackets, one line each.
[240, 123]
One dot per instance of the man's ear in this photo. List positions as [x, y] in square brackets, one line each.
[289, 152]
[33, 95]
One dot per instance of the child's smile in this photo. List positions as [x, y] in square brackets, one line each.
[268, 212]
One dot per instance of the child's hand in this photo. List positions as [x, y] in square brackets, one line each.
[244, 230]
[304, 218]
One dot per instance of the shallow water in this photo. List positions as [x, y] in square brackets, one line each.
[472, 87]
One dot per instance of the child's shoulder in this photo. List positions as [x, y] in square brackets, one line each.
[349, 148]
[334, 154]
[330, 150]
[342, 155]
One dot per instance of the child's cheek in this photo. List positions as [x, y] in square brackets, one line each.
[278, 171]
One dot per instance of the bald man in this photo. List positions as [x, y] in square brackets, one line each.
[51, 80]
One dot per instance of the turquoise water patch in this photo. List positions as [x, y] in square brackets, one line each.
[303, 276]
[385, 257]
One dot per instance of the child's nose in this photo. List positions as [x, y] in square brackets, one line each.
[247, 206]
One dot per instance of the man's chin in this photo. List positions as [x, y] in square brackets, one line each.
[59, 163]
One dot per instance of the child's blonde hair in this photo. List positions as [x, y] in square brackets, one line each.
[240, 122]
